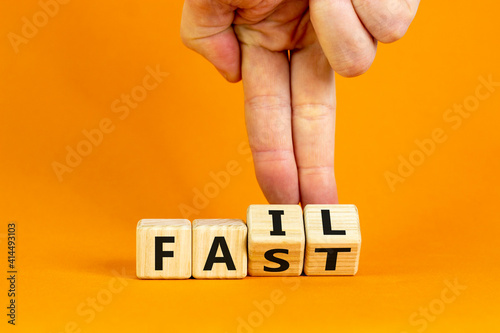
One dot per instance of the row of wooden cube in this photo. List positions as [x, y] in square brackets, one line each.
[277, 240]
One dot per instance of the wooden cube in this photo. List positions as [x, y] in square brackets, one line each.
[333, 239]
[275, 240]
[163, 249]
[219, 249]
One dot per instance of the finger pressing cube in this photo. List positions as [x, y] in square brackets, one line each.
[275, 240]
[333, 239]
[219, 249]
[163, 249]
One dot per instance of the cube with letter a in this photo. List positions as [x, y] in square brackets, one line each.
[219, 249]
[276, 240]
[163, 249]
[333, 239]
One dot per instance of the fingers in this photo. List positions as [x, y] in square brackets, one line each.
[313, 121]
[206, 28]
[386, 20]
[266, 83]
[349, 48]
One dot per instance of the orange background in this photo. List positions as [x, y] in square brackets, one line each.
[440, 224]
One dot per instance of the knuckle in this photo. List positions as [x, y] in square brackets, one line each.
[266, 102]
[313, 111]
[355, 65]
[271, 133]
[269, 152]
[356, 58]
[265, 153]
[395, 30]
[186, 39]
[399, 19]
[316, 170]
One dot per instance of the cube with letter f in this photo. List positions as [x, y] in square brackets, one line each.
[163, 249]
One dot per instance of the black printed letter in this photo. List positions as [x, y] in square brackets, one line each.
[331, 257]
[327, 224]
[277, 227]
[226, 255]
[284, 265]
[159, 253]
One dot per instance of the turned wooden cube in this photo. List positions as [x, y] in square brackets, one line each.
[219, 249]
[163, 249]
[333, 239]
[275, 240]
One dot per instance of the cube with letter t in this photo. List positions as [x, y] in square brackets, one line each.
[219, 249]
[163, 249]
[333, 239]
[275, 240]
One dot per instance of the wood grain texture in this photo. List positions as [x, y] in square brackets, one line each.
[260, 240]
[342, 217]
[209, 234]
[176, 267]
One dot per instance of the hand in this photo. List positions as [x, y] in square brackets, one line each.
[290, 98]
